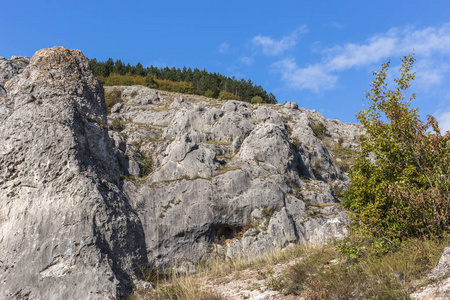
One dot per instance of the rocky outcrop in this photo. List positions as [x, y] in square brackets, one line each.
[67, 231]
[10, 68]
[88, 202]
[230, 178]
[440, 286]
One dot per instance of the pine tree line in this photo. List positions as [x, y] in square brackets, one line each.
[194, 81]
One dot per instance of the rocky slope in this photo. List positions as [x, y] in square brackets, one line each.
[228, 177]
[175, 179]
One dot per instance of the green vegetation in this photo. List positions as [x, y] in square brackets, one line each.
[256, 100]
[399, 203]
[224, 95]
[117, 125]
[112, 97]
[345, 157]
[400, 182]
[319, 130]
[326, 273]
[186, 80]
[312, 273]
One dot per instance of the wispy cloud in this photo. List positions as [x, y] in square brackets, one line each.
[430, 73]
[312, 77]
[246, 60]
[429, 45]
[271, 46]
[353, 55]
[443, 118]
[224, 48]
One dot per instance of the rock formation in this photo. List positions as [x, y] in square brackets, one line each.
[87, 202]
[439, 288]
[9, 68]
[228, 177]
[67, 231]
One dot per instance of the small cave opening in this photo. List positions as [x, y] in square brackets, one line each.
[221, 233]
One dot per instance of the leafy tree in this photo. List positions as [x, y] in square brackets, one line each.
[400, 182]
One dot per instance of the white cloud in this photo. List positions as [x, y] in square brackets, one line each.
[443, 118]
[314, 77]
[224, 48]
[430, 45]
[426, 42]
[430, 73]
[276, 47]
[353, 55]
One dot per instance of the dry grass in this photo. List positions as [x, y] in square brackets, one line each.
[226, 169]
[179, 287]
[313, 273]
[218, 143]
[344, 157]
[217, 270]
[161, 108]
[325, 273]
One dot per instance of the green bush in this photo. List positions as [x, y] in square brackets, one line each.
[209, 94]
[227, 96]
[112, 97]
[319, 130]
[400, 182]
[256, 99]
[117, 125]
[127, 79]
[173, 86]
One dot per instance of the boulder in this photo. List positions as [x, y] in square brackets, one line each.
[291, 105]
[116, 107]
[440, 286]
[11, 67]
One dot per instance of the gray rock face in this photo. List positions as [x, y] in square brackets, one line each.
[443, 266]
[83, 209]
[11, 67]
[231, 178]
[67, 231]
[440, 287]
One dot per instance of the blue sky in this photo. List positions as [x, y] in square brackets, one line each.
[320, 54]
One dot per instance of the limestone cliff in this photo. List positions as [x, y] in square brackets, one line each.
[67, 231]
[228, 177]
[87, 201]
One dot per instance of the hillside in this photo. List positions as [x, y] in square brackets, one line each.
[92, 201]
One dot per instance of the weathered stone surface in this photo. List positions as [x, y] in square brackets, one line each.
[440, 288]
[80, 205]
[291, 105]
[443, 266]
[66, 229]
[116, 107]
[11, 67]
[223, 170]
